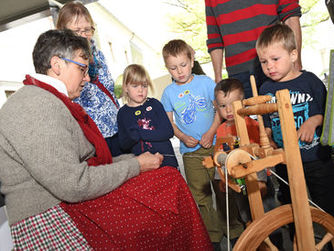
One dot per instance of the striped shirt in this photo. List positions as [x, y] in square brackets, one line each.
[235, 25]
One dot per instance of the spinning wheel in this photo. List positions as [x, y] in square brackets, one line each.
[240, 163]
[260, 229]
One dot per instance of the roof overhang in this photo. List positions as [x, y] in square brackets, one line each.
[16, 12]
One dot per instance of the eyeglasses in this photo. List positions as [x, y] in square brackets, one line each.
[87, 31]
[84, 67]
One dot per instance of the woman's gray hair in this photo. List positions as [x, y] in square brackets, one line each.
[61, 43]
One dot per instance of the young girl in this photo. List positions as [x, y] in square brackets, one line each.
[143, 123]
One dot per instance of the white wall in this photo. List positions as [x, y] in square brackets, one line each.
[6, 242]
[16, 46]
[110, 29]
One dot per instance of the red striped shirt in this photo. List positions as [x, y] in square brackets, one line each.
[235, 25]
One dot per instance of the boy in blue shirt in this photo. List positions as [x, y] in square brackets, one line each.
[189, 100]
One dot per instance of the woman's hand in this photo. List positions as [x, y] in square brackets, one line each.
[149, 161]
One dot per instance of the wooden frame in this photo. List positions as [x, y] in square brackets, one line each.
[239, 163]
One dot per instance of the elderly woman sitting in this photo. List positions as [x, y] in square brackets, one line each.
[63, 190]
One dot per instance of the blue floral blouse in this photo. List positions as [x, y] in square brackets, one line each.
[95, 102]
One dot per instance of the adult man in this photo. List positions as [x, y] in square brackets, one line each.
[235, 25]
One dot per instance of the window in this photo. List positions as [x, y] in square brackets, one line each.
[137, 55]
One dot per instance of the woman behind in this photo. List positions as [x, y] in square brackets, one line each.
[97, 96]
[143, 122]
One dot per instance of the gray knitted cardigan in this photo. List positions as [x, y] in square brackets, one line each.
[42, 156]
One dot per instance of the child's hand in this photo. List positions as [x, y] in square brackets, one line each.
[208, 162]
[222, 186]
[306, 131]
[271, 141]
[206, 140]
[189, 141]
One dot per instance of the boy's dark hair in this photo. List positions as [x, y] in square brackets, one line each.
[61, 43]
[278, 33]
[227, 85]
[176, 47]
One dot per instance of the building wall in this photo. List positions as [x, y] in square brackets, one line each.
[119, 44]
[122, 46]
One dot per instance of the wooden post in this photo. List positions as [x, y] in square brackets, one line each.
[300, 205]
[264, 141]
[253, 191]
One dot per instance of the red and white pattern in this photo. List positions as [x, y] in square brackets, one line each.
[51, 230]
[153, 211]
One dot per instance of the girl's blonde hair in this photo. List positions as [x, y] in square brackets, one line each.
[135, 74]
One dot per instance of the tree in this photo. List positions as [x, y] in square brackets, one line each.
[189, 22]
[311, 17]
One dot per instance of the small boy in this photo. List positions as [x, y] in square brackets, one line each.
[276, 48]
[226, 92]
[189, 98]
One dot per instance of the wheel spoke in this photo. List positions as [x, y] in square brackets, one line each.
[260, 229]
[270, 244]
[327, 238]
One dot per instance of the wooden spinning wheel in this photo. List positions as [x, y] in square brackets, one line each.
[240, 163]
[259, 230]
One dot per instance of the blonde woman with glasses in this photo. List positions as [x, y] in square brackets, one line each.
[97, 97]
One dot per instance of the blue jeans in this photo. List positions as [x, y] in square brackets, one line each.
[319, 177]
